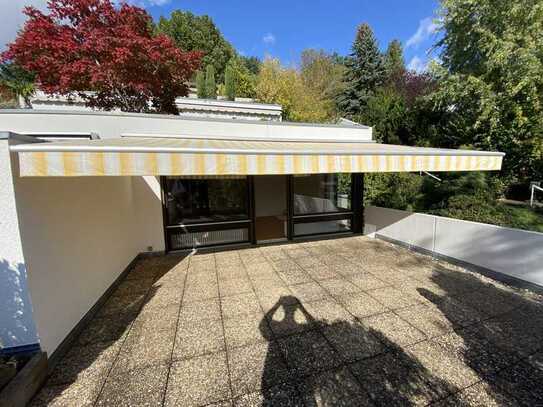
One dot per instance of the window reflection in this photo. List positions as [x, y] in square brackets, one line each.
[205, 200]
[322, 193]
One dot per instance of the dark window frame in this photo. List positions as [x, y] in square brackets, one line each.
[211, 225]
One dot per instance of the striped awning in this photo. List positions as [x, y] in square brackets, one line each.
[200, 157]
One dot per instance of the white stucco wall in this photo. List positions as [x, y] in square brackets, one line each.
[17, 326]
[78, 235]
[513, 252]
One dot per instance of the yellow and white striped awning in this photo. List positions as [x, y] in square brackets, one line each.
[197, 157]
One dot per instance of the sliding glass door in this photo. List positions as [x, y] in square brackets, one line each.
[321, 204]
[206, 212]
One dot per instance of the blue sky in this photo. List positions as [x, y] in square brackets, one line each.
[284, 28]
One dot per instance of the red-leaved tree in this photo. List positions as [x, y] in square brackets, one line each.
[91, 45]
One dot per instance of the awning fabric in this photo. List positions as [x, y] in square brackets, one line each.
[198, 157]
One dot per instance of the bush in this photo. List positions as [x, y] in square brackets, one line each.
[396, 190]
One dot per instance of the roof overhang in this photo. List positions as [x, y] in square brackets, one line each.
[200, 157]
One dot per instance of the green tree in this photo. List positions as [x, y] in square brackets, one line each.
[393, 60]
[230, 82]
[364, 74]
[251, 63]
[284, 86]
[18, 81]
[491, 88]
[387, 113]
[210, 83]
[198, 33]
[324, 75]
[201, 90]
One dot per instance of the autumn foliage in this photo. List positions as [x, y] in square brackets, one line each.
[92, 45]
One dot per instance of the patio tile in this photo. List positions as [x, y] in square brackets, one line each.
[256, 366]
[244, 330]
[132, 287]
[453, 309]
[308, 353]
[160, 297]
[523, 382]
[81, 393]
[352, 341]
[346, 268]
[198, 381]
[282, 395]
[333, 388]
[320, 273]
[482, 356]
[198, 338]
[271, 282]
[480, 394]
[393, 298]
[309, 262]
[393, 380]
[290, 319]
[202, 291]
[393, 330]
[328, 312]
[309, 292]
[85, 363]
[491, 301]
[137, 387]
[144, 347]
[200, 310]
[230, 273]
[361, 305]
[445, 368]
[172, 278]
[106, 329]
[294, 276]
[366, 281]
[509, 335]
[158, 319]
[339, 287]
[236, 286]
[427, 319]
[270, 298]
[241, 304]
[122, 305]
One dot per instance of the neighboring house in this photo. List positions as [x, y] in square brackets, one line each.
[76, 213]
[242, 108]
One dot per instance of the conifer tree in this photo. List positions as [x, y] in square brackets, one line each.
[230, 82]
[364, 74]
[211, 85]
[393, 60]
[201, 85]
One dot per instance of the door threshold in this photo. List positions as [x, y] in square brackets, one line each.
[266, 241]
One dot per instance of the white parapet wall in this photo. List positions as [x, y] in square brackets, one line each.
[512, 252]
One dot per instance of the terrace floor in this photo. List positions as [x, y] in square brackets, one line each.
[344, 322]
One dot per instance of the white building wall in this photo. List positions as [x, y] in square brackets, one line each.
[108, 125]
[513, 252]
[78, 235]
[17, 326]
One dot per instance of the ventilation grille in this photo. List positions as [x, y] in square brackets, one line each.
[196, 239]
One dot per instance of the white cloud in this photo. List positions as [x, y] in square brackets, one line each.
[417, 64]
[12, 18]
[427, 27]
[268, 39]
